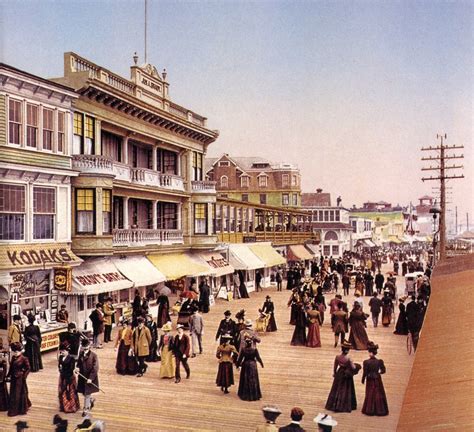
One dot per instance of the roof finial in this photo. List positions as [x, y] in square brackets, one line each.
[135, 58]
[164, 73]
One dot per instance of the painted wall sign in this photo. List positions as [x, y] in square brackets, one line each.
[100, 278]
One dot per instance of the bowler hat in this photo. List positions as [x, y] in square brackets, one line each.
[227, 313]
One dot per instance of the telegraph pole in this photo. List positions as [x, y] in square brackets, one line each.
[456, 229]
[441, 157]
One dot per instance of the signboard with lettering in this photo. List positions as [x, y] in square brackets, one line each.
[50, 340]
[249, 239]
[63, 278]
[47, 255]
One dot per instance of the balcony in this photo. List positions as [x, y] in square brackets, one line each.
[284, 237]
[205, 187]
[143, 237]
[122, 171]
[149, 177]
[93, 164]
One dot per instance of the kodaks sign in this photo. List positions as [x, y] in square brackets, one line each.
[13, 257]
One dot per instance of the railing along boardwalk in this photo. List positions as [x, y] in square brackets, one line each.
[293, 376]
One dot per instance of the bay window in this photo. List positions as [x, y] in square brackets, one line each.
[44, 212]
[12, 212]
[85, 211]
[200, 218]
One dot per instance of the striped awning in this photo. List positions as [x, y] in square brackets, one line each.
[175, 266]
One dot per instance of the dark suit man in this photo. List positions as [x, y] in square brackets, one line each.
[296, 417]
[227, 325]
[204, 292]
[181, 349]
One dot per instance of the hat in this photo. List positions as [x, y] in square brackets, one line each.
[325, 420]
[179, 326]
[167, 327]
[386, 290]
[271, 412]
[402, 299]
[16, 346]
[296, 413]
[71, 325]
[226, 336]
[140, 320]
[16, 317]
[227, 313]
[21, 424]
[346, 344]
[271, 408]
[357, 293]
[63, 306]
[85, 342]
[64, 346]
[248, 322]
[371, 347]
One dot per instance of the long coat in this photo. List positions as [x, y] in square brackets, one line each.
[33, 347]
[375, 402]
[14, 334]
[19, 400]
[141, 340]
[88, 365]
[358, 337]
[181, 346]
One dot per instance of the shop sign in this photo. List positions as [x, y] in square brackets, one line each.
[217, 263]
[51, 340]
[63, 278]
[249, 239]
[99, 278]
[17, 257]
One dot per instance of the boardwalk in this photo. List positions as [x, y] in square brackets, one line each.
[293, 376]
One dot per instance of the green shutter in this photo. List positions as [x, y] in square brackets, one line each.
[3, 120]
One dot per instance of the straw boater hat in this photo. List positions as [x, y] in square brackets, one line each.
[325, 420]
[167, 327]
[226, 336]
[248, 323]
[179, 326]
[271, 412]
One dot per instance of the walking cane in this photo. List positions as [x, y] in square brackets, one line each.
[91, 383]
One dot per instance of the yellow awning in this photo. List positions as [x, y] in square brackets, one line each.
[267, 254]
[175, 266]
[394, 239]
[299, 253]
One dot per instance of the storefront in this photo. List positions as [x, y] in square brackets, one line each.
[271, 259]
[221, 272]
[314, 249]
[27, 286]
[245, 262]
[92, 282]
[299, 254]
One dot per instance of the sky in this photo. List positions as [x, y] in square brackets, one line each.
[349, 91]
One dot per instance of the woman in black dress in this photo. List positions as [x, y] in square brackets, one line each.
[242, 287]
[67, 388]
[19, 370]
[163, 310]
[342, 397]
[4, 398]
[33, 345]
[249, 384]
[299, 334]
[375, 402]
[269, 309]
[401, 328]
[320, 302]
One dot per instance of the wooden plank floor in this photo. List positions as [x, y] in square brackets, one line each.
[293, 376]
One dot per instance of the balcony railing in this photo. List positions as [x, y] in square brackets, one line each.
[135, 237]
[204, 186]
[170, 181]
[145, 176]
[93, 164]
[283, 236]
[122, 172]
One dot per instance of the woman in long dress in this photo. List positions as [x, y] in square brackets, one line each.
[401, 328]
[225, 373]
[125, 364]
[299, 334]
[67, 387]
[342, 397]
[150, 323]
[4, 398]
[19, 370]
[163, 310]
[168, 362]
[242, 287]
[375, 402]
[358, 336]
[387, 308]
[314, 321]
[33, 345]
[320, 302]
[268, 308]
[249, 384]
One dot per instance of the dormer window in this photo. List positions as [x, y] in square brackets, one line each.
[224, 181]
[263, 180]
[224, 163]
[245, 181]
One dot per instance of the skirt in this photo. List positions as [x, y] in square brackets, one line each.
[4, 398]
[342, 397]
[314, 339]
[272, 326]
[168, 363]
[125, 364]
[225, 375]
[375, 402]
[68, 398]
[249, 384]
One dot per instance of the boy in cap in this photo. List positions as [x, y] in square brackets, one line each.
[296, 417]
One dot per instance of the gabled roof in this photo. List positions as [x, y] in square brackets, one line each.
[243, 163]
[322, 199]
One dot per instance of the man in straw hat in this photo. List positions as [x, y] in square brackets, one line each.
[325, 422]
[296, 417]
[271, 413]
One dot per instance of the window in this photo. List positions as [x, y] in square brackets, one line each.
[106, 211]
[335, 250]
[295, 199]
[77, 142]
[224, 181]
[197, 166]
[167, 162]
[111, 146]
[200, 218]
[326, 216]
[14, 122]
[338, 216]
[12, 212]
[48, 129]
[330, 235]
[61, 130]
[294, 180]
[262, 181]
[314, 217]
[326, 250]
[167, 215]
[245, 197]
[263, 198]
[285, 199]
[31, 125]
[218, 218]
[321, 216]
[44, 211]
[84, 134]
[331, 215]
[85, 211]
[244, 181]
[224, 163]
[285, 180]
[89, 134]
[354, 226]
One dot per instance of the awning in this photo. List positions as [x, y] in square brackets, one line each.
[313, 248]
[370, 243]
[267, 254]
[96, 276]
[175, 266]
[139, 270]
[217, 263]
[298, 253]
[41, 256]
[242, 258]
[394, 239]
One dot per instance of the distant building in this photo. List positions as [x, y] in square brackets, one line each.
[255, 180]
[376, 206]
[424, 217]
[318, 199]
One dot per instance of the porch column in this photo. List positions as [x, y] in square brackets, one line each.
[126, 224]
[154, 213]
[178, 216]
[154, 159]
[125, 150]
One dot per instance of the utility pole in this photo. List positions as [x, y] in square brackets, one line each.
[467, 222]
[146, 19]
[441, 157]
[456, 229]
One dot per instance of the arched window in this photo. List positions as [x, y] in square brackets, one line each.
[330, 235]
[224, 181]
